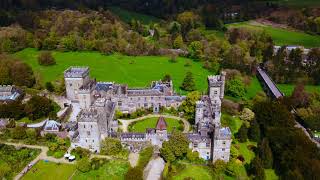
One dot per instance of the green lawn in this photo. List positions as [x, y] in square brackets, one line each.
[253, 88]
[282, 36]
[127, 16]
[270, 174]
[113, 170]
[196, 172]
[50, 171]
[287, 89]
[140, 126]
[135, 71]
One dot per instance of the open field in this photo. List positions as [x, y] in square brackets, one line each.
[50, 171]
[195, 172]
[282, 36]
[287, 89]
[113, 170]
[135, 71]
[140, 126]
[127, 16]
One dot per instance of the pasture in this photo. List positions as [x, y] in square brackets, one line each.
[282, 36]
[136, 71]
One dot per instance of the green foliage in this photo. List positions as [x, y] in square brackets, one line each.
[257, 168]
[49, 86]
[175, 148]
[38, 107]
[188, 106]
[84, 165]
[166, 78]
[134, 174]
[235, 88]
[80, 153]
[145, 156]
[18, 132]
[188, 83]
[4, 170]
[266, 154]
[195, 50]
[192, 156]
[242, 134]
[45, 58]
[218, 167]
[111, 146]
[178, 42]
[254, 131]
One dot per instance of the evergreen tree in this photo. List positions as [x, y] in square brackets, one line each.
[166, 78]
[49, 86]
[254, 131]
[188, 83]
[257, 169]
[266, 154]
[242, 134]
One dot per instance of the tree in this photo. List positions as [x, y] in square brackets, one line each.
[111, 146]
[175, 148]
[188, 83]
[300, 97]
[134, 174]
[254, 131]
[235, 88]
[257, 168]
[4, 170]
[84, 165]
[49, 87]
[166, 78]
[242, 134]
[178, 42]
[266, 154]
[195, 50]
[188, 106]
[45, 58]
[192, 155]
[188, 21]
[247, 115]
[38, 107]
[19, 132]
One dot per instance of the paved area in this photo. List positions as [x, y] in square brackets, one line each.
[75, 111]
[154, 169]
[126, 123]
[133, 159]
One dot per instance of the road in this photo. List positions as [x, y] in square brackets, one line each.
[126, 123]
[154, 169]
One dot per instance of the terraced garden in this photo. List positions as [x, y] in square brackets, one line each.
[141, 126]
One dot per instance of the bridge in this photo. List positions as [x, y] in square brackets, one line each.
[268, 85]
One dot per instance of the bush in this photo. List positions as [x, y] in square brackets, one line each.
[111, 146]
[49, 87]
[45, 58]
[19, 133]
[80, 153]
[84, 165]
[145, 156]
[135, 173]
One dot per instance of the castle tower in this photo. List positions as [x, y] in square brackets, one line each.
[75, 78]
[89, 130]
[199, 111]
[216, 85]
[221, 144]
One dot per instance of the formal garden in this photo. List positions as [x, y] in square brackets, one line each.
[142, 125]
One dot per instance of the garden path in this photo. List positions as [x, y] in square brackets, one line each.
[126, 123]
[42, 156]
[154, 169]
[133, 159]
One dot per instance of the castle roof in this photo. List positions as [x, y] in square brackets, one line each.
[76, 72]
[161, 124]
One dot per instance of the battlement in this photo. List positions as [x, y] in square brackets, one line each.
[76, 72]
[87, 115]
[223, 133]
[6, 88]
[217, 80]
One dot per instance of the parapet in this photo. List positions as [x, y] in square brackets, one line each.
[217, 80]
[223, 133]
[76, 72]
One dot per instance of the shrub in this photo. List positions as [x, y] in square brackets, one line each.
[19, 133]
[80, 152]
[49, 87]
[145, 156]
[111, 146]
[135, 173]
[45, 58]
[84, 165]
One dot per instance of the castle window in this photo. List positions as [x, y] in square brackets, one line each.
[151, 98]
[145, 98]
[223, 149]
[91, 126]
[93, 140]
[88, 133]
[86, 140]
[207, 144]
[224, 142]
[195, 145]
[84, 126]
[70, 84]
[119, 103]
[138, 98]
[145, 105]
[215, 92]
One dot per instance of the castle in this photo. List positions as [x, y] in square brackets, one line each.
[99, 101]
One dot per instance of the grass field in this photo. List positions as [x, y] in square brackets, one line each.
[282, 36]
[127, 16]
[113, 170]
[140, 126]
[287, 89]
[135, 71]
[195, 172]
[50, 171]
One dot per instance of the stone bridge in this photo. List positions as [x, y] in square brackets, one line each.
[268, 85]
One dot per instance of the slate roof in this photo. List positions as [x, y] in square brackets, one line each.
[161, 124]
[271, 86]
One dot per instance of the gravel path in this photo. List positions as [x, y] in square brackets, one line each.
[154, 169]
[126, 123]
